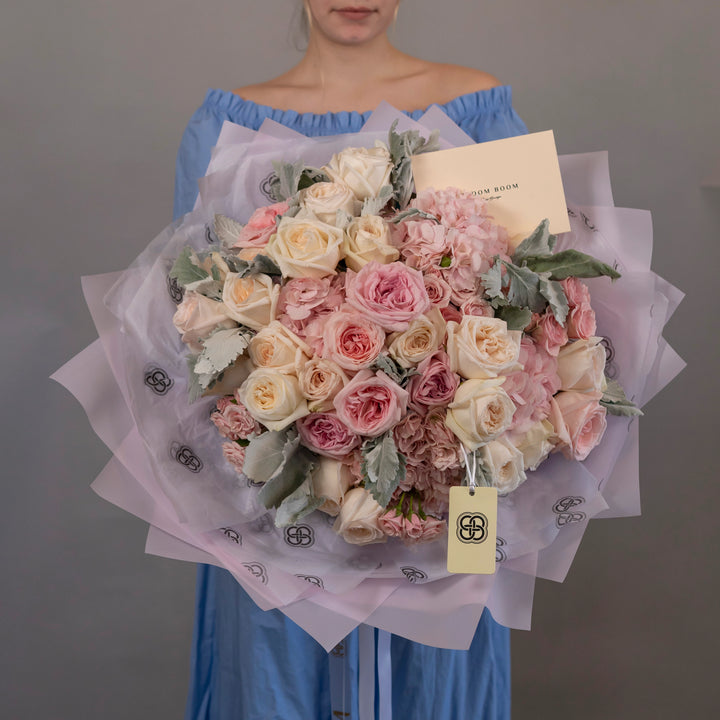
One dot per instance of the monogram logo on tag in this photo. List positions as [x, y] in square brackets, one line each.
[232, 535]
[312, 579]
[299, 536]
[158, 380]
[175, 291]
[472, 527]
[187, 458]
[257, 570]
[413, 574]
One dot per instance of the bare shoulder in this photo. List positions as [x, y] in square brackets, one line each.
[461, 80]
[264, 93]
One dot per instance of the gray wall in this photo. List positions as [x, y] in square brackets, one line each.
[94, 98]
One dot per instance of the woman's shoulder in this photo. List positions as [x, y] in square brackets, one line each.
[456, 80]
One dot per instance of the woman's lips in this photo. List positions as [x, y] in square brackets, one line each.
[354, 13]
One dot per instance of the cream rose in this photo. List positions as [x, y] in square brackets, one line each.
[197, 316]
[304, 247]
[357, 522]
[331, 480]
[480, 412]
[581, 365]
[277, 347]
[482, 347]
[535, 443]
[273, 398]
[367, 238]
[324, 199]
[422, 338]
[364, 170]
[250, 300]
[320, 381]
[505, 463]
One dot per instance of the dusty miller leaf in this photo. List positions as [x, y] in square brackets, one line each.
[414, 214]
[383, 467]
[221, 349]
[373, 205]
[226, 229]
[288, 178]
[570, 263]
[393, 370]
[297, 505]
[185, 269]
[539, 242]
[615, 401]
[298, 464]
[516, 318]
[264, 455]
[523, 288]
[553, 292]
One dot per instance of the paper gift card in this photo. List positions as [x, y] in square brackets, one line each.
[518, 176]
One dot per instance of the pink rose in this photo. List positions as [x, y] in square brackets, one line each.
[437, 289]
[477, 306]
[197, 316]
[391, 295]
[451, 314]
[580, 322]
[327, 435]
[411, 530]
[233, 421]
[435, 383]
[351, 339]
[260, 226]
[391, 523]
[371, 403]
[581, 420]
[549, 334]
[235, 455]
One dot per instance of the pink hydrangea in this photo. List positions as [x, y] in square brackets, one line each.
[235, 455]
[302, 300]
[453, 207]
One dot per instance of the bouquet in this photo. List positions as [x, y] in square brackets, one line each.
[351, 351]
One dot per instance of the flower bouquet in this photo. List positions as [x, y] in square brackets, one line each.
[306, 364]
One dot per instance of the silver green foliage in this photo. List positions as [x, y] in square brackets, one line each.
[226, 229]
[222, 349]
[615, 401]
[289, 178]
[186, 269]
[414, 214]
[393, 370]
[383, 467]
[570, 263]
[402, 147]
[539, 242]
[373, 205]
[297, 505]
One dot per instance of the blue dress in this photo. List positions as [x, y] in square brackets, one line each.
[248, 664]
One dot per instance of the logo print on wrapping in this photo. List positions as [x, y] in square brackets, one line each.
[232, 535]
[413, 574]
[158, 380]
[472, 527]
[299, 536]
[500, 555]
[312, 579]
[266, 185]
[174, 290]
[257, 570]
[563, 508]
[187, 458]
[611, 370]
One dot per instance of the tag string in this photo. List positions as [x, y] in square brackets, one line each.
[470, 472]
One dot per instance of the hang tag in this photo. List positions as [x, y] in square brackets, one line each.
[472, 530]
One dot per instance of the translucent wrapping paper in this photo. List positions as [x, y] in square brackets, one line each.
[168, 468]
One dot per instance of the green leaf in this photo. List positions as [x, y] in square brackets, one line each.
[264, 455]
[516, 318]
[394, 370]
[414, 214]
[373, 205]
[402, 147]
[262, 265]
[553, 292]
[298, 464]
[571, 263]
[288, 178]
[539, 242]
[185, 269]
[221, 349]
[297, 505]
[523, 287]
[226, 229]
[383, 467]
[615, 401]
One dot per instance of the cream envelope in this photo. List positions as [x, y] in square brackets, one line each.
[518, 176]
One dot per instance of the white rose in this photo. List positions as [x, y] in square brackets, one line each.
[324, 199]
[250, 300]
[482, 347]
[273, 398]
[197, 316]
[505, 463]
[320, 381]
[535, 444]
[581, 365]
[422, 338]
[304, 247]
[367, 238]
[331, 480]
[480, 412]
[357, 522]
[364, 170]
[277, 347]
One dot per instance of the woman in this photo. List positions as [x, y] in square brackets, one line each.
[249, 664]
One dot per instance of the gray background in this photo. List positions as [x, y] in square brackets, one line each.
[95, 95]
